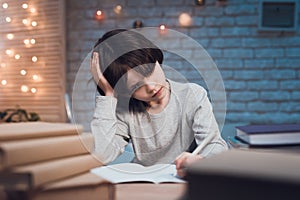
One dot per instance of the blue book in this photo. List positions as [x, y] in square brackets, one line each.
[276, 134]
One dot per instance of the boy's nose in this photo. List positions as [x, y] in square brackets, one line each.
[150, 86]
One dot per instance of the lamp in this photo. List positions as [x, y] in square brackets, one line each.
[200, 2]
[138, 24]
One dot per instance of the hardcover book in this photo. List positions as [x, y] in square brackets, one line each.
[85, 186]
[35, 175]
[29, 130]
[247, 175]
[21, 152]
[276, 134]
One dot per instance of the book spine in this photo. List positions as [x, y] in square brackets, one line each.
[30, 151]
[31, 130]
[36, 175]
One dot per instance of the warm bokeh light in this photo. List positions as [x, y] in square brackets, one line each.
[29, 42]
[5, 5]
[99, 15]
[24, 88]
[9, 52]
[34, 59]
[33, 90]
[10, 36]
[3, 82]
[35, 77]
[99, 12]
[17, 56]
[26, 42]
[23, 72]
[162, 27]
[3, 65]
[185, 19]
[32, 10]
[7, 19]
[25, 5]
[118, 9]
[25, 21]
[34, 23]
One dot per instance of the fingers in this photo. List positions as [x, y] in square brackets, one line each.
[183, 160]
[180, 163]
[98, 76]
[181, 172]
[95, 67]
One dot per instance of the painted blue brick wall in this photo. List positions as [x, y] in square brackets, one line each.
[261, 70]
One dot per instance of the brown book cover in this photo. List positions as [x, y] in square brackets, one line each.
[28, 130]
[21, 152]
[81, 187]
[85, 186]
[247, 175]
[36, 175]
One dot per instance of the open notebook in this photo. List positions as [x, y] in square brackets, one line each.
[133, 172]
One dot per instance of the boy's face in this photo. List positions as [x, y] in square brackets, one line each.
[151, 88]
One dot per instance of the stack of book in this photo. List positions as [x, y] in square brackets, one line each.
[246, 175]
[283, 137]
[40, 160]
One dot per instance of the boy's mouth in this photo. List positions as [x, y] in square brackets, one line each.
[158, 92]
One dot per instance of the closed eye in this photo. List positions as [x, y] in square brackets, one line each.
[136, 86]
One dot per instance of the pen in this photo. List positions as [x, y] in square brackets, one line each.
[203, 144]
[199, 148]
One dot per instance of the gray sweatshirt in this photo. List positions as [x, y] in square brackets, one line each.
[157, 138]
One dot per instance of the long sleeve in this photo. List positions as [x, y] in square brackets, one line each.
[204, 123]
[111, 135]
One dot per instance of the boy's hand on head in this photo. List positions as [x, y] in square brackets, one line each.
[98, 76]
[184, 160]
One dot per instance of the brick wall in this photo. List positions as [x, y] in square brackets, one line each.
[260, 70]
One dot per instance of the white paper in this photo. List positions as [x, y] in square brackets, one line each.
[132, 172]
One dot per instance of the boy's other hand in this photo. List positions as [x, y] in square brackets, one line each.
[98, 76]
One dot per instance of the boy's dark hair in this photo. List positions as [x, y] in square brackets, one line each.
[121, 50]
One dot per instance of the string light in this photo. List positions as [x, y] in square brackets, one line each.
[185, 19]
[5, 5]
[162, 27]
[34, 23]
[35, 77]
[25, 5]
[32, 10]
[25, 22]
[23, 72]
[29, 42]
[34, 59]
[10, 36]
[4, 82]
[33, 90]
[99, 12]
[118, 9]
[9, 52]
[8, 19]
[17, 56]
[99, 15]
[24, 88]
[26, 42]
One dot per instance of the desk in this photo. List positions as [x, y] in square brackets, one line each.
[141, 191]
[150, 191]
